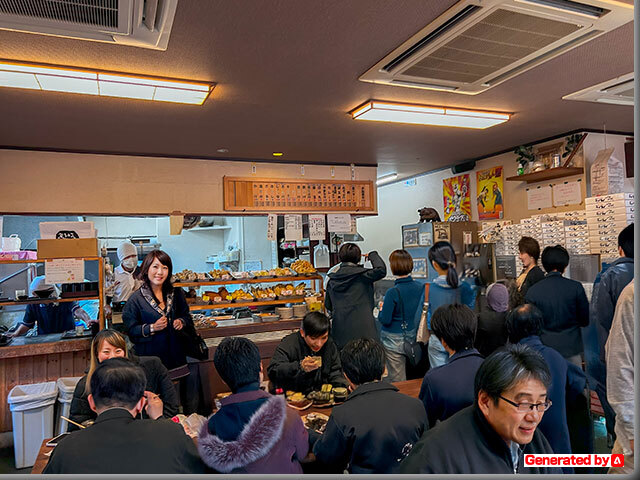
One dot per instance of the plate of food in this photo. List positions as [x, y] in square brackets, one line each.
[315, 421]
[298, 401]
[322, 398]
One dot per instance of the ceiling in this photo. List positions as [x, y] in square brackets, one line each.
[287, 74]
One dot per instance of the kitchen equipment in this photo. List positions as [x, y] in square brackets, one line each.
[299, 311]
[285, 313]
[11, 243]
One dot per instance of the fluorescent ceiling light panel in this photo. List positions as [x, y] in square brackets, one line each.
[59, 79]
[427, 115]
[386, 178]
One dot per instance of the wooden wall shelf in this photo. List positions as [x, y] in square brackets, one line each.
[548, 174]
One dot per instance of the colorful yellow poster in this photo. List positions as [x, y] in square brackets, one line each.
[489, 188]
[456, 193]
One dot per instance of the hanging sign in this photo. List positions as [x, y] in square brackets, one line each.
[292, 227]
[567, 193]
[317, 227]
[272, 225]
[339, 222]
[64, 270]
[539, 197]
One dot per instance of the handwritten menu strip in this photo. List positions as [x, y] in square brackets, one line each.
[251, 194]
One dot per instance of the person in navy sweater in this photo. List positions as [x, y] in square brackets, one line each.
[448, 388]
[524, 325]
[398, 316]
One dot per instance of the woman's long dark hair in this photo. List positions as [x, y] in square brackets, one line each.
[165, 260]
[442, 253]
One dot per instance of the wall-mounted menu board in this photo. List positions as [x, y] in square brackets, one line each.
[271, 195]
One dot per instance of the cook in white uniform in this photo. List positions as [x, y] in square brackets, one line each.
[124, 284]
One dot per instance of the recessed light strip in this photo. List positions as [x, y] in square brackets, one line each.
[58, 79]
[427, 115]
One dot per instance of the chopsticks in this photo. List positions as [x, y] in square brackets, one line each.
[71, 421]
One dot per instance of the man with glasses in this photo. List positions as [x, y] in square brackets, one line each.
[493, 434]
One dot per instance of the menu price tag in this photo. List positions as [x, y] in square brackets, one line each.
[272, 225]
[339, 222]
[317, 227]
[539, 197]
[292, 227]
[64, 270]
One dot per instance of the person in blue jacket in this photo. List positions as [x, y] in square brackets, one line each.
[400, 305]
[444, 290]
[524, 325]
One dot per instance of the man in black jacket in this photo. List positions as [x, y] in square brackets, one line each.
[491, 436]
[306, 359]
[564, 305]
[349, 295]
[117, 443]
[377, 425]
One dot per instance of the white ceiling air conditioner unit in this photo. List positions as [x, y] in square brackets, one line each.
[137, 23]
[478, 44]
[618, 91]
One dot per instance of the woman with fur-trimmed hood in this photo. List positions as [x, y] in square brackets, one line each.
[253, 432]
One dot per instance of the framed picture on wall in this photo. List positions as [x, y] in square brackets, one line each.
[410, 237]
[419, 267]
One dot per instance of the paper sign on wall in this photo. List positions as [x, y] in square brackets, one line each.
[339, 222]
[539, 197]
[317, 227]
[64, 270]
[292, 227]
[567, 193]
[272, 225]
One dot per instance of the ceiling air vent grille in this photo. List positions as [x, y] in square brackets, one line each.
[617, 91]
[103, 13]
[478, 44]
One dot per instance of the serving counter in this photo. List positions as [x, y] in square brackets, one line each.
[39, 359]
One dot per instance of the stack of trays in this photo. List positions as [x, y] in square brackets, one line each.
[607, 215]
[553, 233]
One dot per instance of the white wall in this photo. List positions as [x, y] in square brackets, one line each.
[256, 245]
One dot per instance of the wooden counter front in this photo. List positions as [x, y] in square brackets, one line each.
[38, 359]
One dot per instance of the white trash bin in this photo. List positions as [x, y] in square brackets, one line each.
[32, 415]
[66, 387]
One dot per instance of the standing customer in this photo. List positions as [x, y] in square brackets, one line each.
[620, 391]
[398, 315]
[564, 306]
[444, 290]
[531, 274]
[492, 331]
[377, 425]
[253, 432]
[112, 344]
[154, 313]
[350, 295]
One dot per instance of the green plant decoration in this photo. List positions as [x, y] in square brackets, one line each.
[525, 155]
[570, 144]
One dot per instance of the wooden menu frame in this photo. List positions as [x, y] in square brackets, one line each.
[278, 196]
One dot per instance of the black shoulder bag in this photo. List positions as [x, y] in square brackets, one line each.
[410, 348]
[192, 343]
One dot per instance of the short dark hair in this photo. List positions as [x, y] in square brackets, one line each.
[363, 360]
[625, 240]
[555, 258]
[530, 246]
[118, 382]
[164, 259]
[237, 361]
[524, 321]
[315, 324]
[349, 252]
[506, 367]
[456, 324]
[401, 262]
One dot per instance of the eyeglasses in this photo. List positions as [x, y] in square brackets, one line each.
[529, 407]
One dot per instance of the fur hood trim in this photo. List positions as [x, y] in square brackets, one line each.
[255, 441]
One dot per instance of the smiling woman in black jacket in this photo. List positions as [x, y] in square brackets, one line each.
[111, 344]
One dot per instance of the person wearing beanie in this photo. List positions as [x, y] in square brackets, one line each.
[492, 330]
[124, 283]
[49, 317]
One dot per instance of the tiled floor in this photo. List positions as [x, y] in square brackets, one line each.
[7, 463]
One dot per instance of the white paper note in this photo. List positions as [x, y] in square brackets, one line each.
[317, 227]
[64, 270]
[567, 193]
[292, 227]
[272, 226]
[339, 222]
[539, 197]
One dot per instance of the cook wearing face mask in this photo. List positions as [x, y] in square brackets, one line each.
[124, 282]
